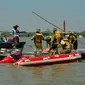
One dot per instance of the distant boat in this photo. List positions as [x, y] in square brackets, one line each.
[80, 36]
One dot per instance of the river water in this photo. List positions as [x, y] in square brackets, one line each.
[57, 74]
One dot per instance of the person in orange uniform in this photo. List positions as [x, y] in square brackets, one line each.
[38, 37]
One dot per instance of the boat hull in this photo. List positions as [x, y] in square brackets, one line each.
[46, 60]
[7, 59]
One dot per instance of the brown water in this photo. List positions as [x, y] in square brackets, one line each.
[57, 74]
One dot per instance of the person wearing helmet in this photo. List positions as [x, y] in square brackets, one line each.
[55, 40]
[38, 37]
[73, 40]
[66, 46]
[75, 43]
[67, 43]
[53, 49]
[48, 41]
[57, 34]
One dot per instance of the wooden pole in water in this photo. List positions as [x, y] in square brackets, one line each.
[64, 26]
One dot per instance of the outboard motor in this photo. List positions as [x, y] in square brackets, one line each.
[16, 54]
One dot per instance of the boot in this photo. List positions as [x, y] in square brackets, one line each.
[35, 53]
[40, 53]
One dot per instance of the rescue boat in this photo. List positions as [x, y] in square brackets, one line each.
[16, 55]
[30, 60]
[5, 48]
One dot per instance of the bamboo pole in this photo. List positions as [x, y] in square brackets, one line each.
[47, 21]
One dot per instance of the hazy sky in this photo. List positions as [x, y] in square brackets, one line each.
[56, 11]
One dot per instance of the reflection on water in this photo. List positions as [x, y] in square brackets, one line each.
[57, 70]
[49, 71]
[66, 74]
[38, 72]
[43, 75]
[57, 74]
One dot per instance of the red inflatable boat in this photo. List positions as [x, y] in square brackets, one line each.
[7, 59]
[27, 60]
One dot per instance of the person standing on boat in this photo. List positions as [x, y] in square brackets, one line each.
[48, 41]
[15, 33]
[53, 49]
[75, 45]
[38, 37]
[57, 34]
[73, 40]
[55, 41]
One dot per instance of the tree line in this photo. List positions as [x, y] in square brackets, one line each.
[45, 33]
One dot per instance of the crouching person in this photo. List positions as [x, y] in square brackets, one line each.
[66, 46]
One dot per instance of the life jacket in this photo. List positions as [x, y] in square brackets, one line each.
[38, 38]
[58, 36]
[71, 38]
[67, 45]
